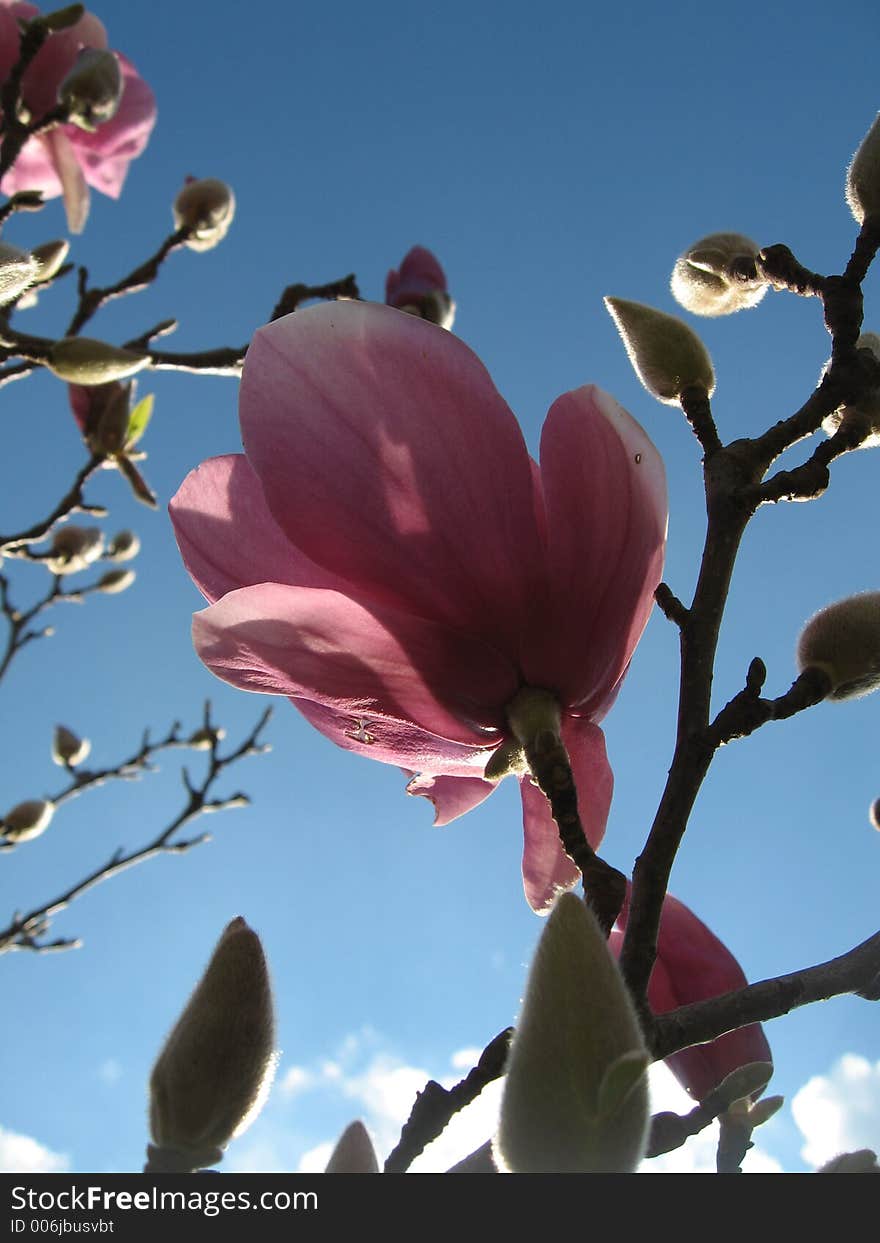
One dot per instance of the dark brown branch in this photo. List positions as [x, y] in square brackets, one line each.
[670, 605]
[91, 300]
[25, 930]
[698, 411]
[435, 1106]
[72, 502]
[747, 711]
[294, 295]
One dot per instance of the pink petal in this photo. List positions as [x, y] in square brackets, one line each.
[420, 273]
[452, 796]
[387, 455]
[74, 188]
[605, 496]
[396, 742]
[33, 170]
[228, 538]
[546, 867]
[323, 646]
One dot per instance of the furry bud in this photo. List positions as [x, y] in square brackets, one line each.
[575, 1094]
[213, 1075]
[81, 360]
[207, 207]
[27, 820]
[49, 257]
[717, 276]
[92, 88]
[863, 177]
[73, 548]
[123, 547]
[667, 355]
[868, 407]
[354, 1152]
[115, 581]
[18, 269]
[843, 640]
[68, 749]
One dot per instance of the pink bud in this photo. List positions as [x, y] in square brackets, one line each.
[420, 288]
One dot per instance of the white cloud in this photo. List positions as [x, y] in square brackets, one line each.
[464, 1059]
[20, 1154]
[295, 1079]
[110, 1071]
[840, 1111]
[315, 1160]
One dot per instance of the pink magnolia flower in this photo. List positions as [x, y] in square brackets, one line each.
[693, 965]
[387, 554]
[66, 159]
[420, 288]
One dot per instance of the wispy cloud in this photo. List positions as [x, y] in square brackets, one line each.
[21, 1154]
[839, 1111]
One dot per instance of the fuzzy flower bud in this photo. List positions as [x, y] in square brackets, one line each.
[863, 177]
[575, 1095]
[81, 360]
[123, 547]
[73, 548]
[716, 276]
[18, 269]
[874, 814]
[205, 739]
[68, 749]
[49, 257]
[354, 1152]
[667, 355]
[92, 88]
[27, 820]
[868, 407]
[115, 581]
[207, 206]
[843, 640]
[213, 1075]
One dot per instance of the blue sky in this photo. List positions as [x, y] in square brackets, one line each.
[549, 156]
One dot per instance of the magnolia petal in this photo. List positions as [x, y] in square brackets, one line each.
[227, 537]
[391, 741]
[606, 506]
[70, 175]
[323, 646]
[451, 796]
[387, 455]
[546, 867]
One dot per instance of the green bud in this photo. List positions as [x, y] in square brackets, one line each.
[18, 269]
[207, 207]
[843, 640]
[717, 276]
[115, 581]
[49, 257]
[27, 820]
[92, 88]
[68, 749]
[667, 355]
[863, 177]
[354, 1152]
[214, 1073]
[81, 360]
[575, 1095]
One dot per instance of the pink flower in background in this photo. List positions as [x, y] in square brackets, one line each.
[420, 288]
[67, 160]
[388, 556]
[693, 965]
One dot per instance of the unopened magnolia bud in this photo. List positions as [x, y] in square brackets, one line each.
[717, 275]
[214, 1073]
[81, 360]
[867, 408]
[115, 581]
[575, 1094]
[68, 749]
[18, 269]
[354, 1152]
[204, 739]
[667, 355]
[123, 547]
[843, 640]
[111, 424]
[863, 177]
[435, 306]
[92, 88]
[874, 814]
[49, 257]
[207, 207]
[73, 548]
[27, 820]
[864, 1161]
